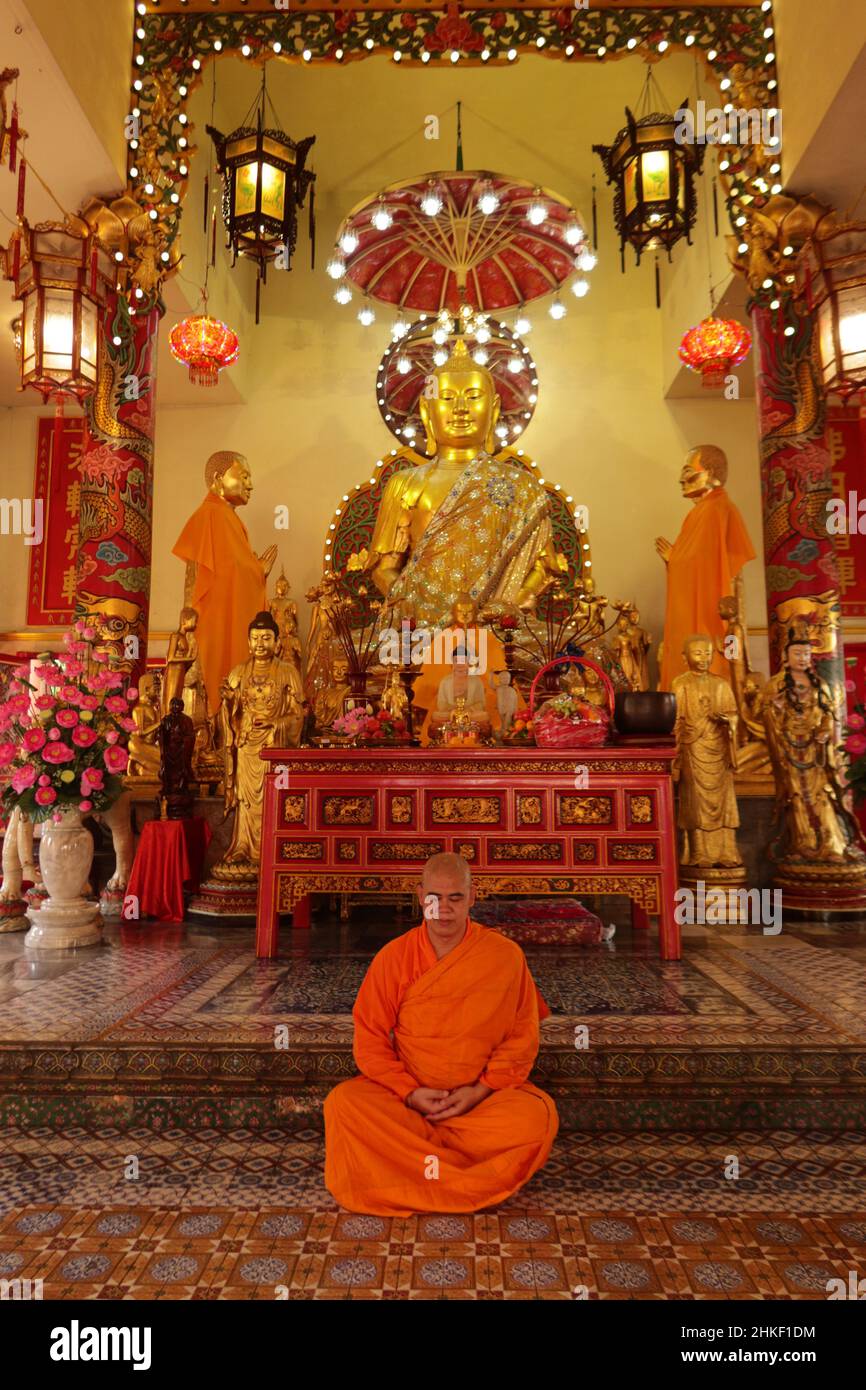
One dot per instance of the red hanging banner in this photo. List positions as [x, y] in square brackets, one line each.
[56, 489]
[846, 439]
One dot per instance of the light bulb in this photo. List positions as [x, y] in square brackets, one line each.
[515, 364]
[349, 242]
[522, 325]
[580, 288]
[573, 233]
[440, 357]
[381, 218]
[336, 267]
[488, 200]
[537, 212]
[440, 335]
[557, 309]
[343, 295]
[404, 364]
[399, 329]
[482, 334]
[587, 260]
[431, 201]
[366, 315]
[480, 355]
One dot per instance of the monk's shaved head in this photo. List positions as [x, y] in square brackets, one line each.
[452, 864]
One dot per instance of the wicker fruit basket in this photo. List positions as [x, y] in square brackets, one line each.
[584, 725]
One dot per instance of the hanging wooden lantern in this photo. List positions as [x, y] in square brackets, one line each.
[654, 177]
[831, 280]
[265, 184]
[62, 276]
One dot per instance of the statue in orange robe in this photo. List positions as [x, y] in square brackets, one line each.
[225, 581]
[708, 554]
[446, 1033]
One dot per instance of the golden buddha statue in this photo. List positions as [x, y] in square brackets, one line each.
[260, 709]
[181, 655]
[285, 613]
[146, 714]
[225, 579]
[465, 521]
[323, 649]
[753, 757]
[332, 697]
[706, 759]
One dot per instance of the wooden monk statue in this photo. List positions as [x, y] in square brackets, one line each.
[712, 547]
[225, 580]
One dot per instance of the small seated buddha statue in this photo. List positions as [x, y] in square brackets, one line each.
[461, 699]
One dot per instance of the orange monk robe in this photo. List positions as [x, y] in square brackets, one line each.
[709, 552]
[229, 590]
[471, 1016]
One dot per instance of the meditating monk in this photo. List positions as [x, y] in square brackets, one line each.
[446, 1033]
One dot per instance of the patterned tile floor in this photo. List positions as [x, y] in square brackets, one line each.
[245, 1216]
[139, 1213]
[203, 984]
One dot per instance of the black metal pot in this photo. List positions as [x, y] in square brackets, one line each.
[649, 712]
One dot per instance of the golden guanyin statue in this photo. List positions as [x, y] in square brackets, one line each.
[706, 732]
[465, 522]
[802, 735]
[260, 709]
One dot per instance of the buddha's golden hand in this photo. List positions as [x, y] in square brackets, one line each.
[663, 548]
[267, 558]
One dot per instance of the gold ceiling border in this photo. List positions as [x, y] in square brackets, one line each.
[172, 50]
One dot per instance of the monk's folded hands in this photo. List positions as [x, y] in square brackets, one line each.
[461, 1100]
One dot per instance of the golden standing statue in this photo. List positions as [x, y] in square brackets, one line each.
[802, 735]
[706, 760]
[465, 522]
[260, 709]
[285, 613]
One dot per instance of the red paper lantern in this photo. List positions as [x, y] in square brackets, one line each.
[205, 345]
[714, 347]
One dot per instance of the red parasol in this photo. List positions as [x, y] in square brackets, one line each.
[458, 237]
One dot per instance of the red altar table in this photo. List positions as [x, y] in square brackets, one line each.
[528, 820]
[169, 858]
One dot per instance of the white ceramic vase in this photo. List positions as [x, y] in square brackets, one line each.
[66, 917]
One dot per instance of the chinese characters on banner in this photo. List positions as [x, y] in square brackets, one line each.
[51, 590]
[846, 437]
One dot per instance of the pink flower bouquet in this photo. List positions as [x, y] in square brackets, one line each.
[44, 739]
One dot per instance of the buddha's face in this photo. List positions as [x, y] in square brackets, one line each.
[695, 479]
[699, 656]
[236, 484]
[799, 656]
[463, 412]
[263, 644]
[463, 611]
[281, 588]
[340, 670]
